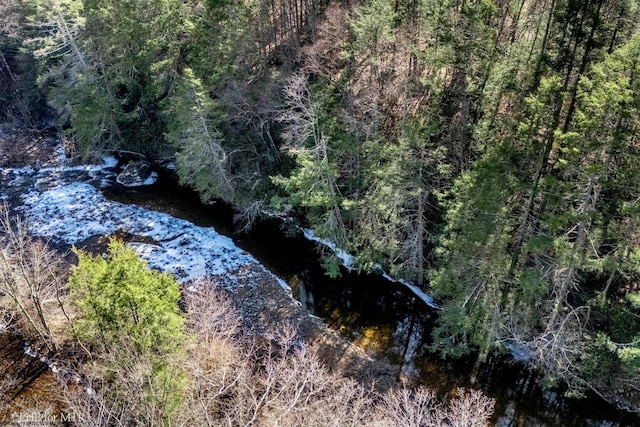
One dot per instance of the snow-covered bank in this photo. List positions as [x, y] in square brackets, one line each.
[347, 260]
[62, 203]
[19, 181]
[74, 212]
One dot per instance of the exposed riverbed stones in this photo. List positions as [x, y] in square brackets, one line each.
[263, 300]
[136, 174]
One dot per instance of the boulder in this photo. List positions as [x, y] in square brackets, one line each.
[137, 173]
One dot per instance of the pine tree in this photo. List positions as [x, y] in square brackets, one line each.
[600, 153]
[201, 159]
[130, 322]
[109, 63]
[394, 217]
[313, 185]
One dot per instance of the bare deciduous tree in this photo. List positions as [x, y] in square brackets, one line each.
[305, 139]
[324, 56]
[559, 347]
[420, 408]
[93, 405]
[292, 387]
[31, 281]
[216, 363]
[470, 408]
[236, 379]
[123, 386]
[411, 408]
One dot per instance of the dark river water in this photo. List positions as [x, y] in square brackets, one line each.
[382, 317]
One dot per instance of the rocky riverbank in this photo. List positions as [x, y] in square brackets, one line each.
[63, 204]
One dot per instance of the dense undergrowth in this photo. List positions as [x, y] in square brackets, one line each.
[485, 149]
[126, 354]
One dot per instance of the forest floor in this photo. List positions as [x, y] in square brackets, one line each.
[31, 169]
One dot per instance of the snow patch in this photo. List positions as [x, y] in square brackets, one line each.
[150, 180]
[428, 299]
[110, 161]
[343, 256]
[153, 177]
[28, 170]
[520, 352]
[60, 153]
[284, 286]
[75, 212]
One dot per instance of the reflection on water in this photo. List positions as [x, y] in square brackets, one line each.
[387, 321]
[383, 318]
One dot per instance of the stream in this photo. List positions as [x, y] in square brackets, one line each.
[383, 317]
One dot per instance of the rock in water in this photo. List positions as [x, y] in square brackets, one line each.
[137, 173]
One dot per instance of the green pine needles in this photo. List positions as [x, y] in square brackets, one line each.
[119, 296]
[131, 322]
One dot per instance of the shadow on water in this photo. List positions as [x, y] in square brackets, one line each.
[382, 317]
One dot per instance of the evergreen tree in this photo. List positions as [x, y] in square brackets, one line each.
[119, 296]
[222, 43]
[201, 159]
[110, 64]
[600, 153]
[528, 254]
[127, 310]
[313, 185]
[514, 118]
[395, 222]
[137, 49]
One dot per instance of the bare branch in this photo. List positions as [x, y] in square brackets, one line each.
[32, 280]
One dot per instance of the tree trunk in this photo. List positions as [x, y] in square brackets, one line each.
[537, 75]
[583, 67]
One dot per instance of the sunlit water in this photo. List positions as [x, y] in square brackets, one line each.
[382, 317]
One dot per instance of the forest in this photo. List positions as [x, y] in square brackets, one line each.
[485, 150]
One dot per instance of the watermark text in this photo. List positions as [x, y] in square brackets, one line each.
[40, 418]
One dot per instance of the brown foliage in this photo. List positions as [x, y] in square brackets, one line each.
[31, 284]
[230, 377]
[278, 380]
